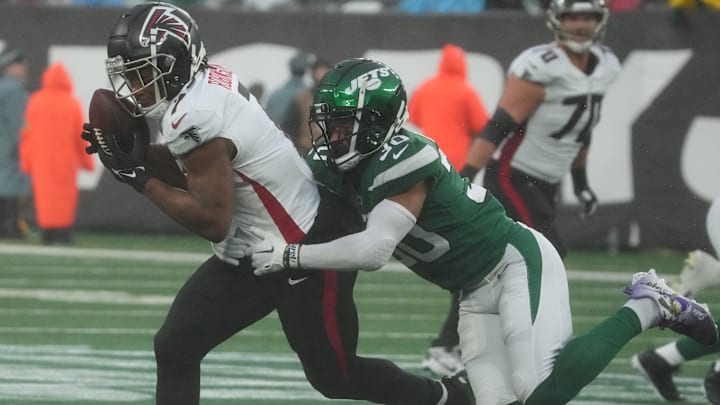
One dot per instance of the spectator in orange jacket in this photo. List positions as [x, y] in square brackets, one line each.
[51, 152]
[447, 108]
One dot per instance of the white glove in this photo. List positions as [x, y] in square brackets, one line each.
[271, 253]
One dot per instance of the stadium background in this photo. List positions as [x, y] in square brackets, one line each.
[652, 164]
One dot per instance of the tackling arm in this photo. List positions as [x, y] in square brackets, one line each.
[368, 250]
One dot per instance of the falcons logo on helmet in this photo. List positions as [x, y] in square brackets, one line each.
[161, 22]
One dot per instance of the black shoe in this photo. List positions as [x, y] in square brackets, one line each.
[659, 373]
[458, 389]
[712, 385]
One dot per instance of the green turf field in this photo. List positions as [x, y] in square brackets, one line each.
[76, 325]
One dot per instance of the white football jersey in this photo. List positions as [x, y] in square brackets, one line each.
[274, 188]
[562, 124]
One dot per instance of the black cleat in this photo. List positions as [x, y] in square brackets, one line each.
[712, 385]
[659, 373]
[458, 389]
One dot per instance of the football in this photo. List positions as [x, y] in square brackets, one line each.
[114, 121]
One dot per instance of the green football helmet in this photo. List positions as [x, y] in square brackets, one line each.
[357, 106]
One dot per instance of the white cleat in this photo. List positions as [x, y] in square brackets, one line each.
[678, 313]
[701, 270]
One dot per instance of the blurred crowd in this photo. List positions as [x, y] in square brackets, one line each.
[377, 6]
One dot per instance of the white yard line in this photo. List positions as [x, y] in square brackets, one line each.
[181, 257]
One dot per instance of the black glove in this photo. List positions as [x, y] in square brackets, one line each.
[469, 171]
[88, 135]
[128, 167]
[588, 200]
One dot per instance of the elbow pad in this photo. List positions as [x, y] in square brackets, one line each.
[499, 127]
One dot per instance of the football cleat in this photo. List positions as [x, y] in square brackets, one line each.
[701, 270]
[443, 361]
[678, 313]
[659, 373]
[711, 384]
[458, 389]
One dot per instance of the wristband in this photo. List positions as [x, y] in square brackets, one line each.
[469, 171]
[291, 256]
[579, 179]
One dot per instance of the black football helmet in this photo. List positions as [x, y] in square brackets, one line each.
[558, 8]
[153, 51]
[362, 99]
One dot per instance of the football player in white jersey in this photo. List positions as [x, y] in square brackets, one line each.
[544, 119]
[658, 365]
[238, 170]
[542, 126]
[515, 324]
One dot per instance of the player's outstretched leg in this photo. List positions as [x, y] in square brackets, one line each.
[678, 313]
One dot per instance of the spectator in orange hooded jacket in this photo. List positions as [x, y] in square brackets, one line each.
[447, 108]
[51, 152]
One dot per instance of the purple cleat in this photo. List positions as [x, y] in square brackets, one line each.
[680, 314]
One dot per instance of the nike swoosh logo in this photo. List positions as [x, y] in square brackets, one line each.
[400, 152]
[176, 123]
[293, 281]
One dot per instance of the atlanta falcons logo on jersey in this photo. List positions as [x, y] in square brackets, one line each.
[160, 23]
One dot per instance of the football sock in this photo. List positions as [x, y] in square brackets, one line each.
[670, 353]
[584, 357]
[646, 311]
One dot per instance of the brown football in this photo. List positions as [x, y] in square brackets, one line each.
[106, 114]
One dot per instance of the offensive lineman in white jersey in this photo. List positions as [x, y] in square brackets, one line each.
[543, 123]
[239, 170]
[545, 116]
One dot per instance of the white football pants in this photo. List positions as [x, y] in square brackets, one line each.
[506, 352]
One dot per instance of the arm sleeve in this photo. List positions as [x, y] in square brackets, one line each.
[368, 250]
[499, 127]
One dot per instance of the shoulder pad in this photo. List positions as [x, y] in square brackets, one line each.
[538, 64]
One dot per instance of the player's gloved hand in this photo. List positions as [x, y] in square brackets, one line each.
[88, 135]
[586, 197]
[271, 253]
[129, 167]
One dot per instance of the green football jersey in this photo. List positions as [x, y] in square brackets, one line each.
[462, 230]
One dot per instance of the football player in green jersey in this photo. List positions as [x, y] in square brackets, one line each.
[515, 323]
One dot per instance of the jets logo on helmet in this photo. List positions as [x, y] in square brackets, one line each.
[372, 80]
[160, 23]
[357, 106]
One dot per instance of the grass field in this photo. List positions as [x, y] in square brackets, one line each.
[76, 325]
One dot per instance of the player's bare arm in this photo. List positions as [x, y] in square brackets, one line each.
[518, 102]
[206, 207]
[165, 167]
[581, 158]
